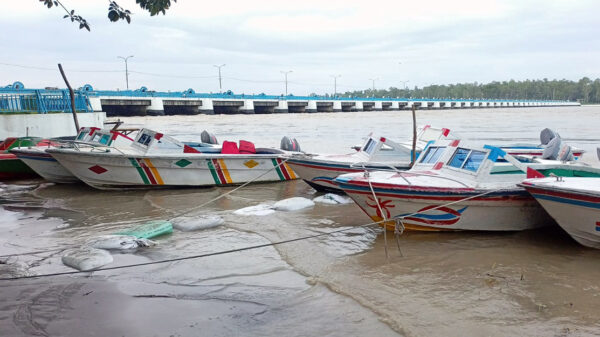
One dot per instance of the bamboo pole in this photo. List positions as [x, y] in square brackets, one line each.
[72, 98]
[414, 142]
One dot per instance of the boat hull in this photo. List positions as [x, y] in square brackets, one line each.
[109, 171]
[45, 165]
[577, 213]
[12, 167]
[320, 174]
[507, 210]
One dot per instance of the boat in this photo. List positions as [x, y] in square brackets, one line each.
[319, 170]
[154, 159]
[455, 186]
[381, 153]
[574, 202]
[42, 163]
[12, 167]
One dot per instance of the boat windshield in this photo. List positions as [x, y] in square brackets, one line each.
[432, 154]
[81, 135]
[370, 146]
[145, 139]
[104, 140]
[467, 159]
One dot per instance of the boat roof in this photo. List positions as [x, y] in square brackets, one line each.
[580, 185]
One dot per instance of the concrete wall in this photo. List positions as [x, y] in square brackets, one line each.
[47, 125]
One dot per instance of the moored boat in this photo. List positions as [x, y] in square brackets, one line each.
[574, 202]
[12, 167]
[38, 160]
[157, 160]
[457, 187]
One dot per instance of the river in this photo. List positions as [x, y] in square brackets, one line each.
[532, 283]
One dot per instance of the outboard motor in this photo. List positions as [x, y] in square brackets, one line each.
[289, 144]
[565, 153]
[547, 135]
[207, 137]
[598, 152]
[552, 149]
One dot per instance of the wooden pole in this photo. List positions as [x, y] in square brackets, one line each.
[414, 143]
[72, 98]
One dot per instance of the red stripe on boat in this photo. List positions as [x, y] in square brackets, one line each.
[219, 171]
[147, 170]
[283, 169]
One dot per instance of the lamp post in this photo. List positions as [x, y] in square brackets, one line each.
[285, 73]
[373, 80]
[220, 82]
[404, 84]
[335, 77]
[126, 71]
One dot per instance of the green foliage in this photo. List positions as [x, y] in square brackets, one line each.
[155, 6]
[584, 90]
[115, 12]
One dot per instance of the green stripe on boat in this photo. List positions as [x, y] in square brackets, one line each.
[278, 169]
[140, 170]
[213, 171]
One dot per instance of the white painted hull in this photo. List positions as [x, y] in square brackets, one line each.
[509, 210]
[45, 165]
[112, 170]
[578, 213]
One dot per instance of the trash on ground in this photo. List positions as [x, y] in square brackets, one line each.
[333, 199]
[260, 210]
[293, 204]
[197, 222]
[150, 230]
[87, 258]
[116, 241]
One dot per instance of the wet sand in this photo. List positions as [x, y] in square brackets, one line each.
[532, 283]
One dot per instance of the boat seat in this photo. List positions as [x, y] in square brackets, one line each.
[247, 147]
[229, 148]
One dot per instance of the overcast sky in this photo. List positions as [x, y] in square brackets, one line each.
[422, 42]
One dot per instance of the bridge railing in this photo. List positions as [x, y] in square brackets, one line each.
[32, 101]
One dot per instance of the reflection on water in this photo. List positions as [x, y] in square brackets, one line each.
[446, 284]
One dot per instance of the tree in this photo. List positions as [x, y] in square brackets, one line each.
[115, 12]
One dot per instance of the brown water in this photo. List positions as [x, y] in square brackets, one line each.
[534, 283]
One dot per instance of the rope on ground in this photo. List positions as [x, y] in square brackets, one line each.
[236, 250]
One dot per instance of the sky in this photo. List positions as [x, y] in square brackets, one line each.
[394, 43]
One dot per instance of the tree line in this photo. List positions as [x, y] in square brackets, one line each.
[585, 91]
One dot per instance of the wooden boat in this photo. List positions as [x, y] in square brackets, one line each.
[42, 163]
[454, 186]
[574, 202]
[157, 160]
[10, 166]
[319, 170]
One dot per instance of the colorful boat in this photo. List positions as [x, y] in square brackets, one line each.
[319, 170]
[10, 166]
[380, 153]
[457, 187]
[36, 157]
[574, 202]
[157, 160]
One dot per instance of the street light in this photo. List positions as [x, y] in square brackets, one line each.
[220, 83]
[404, 83]
[126, 71]
[285, 73]
[373, 80]
[335, 77]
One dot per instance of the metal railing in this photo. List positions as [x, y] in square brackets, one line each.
[23, 101]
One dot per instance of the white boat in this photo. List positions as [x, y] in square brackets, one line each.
[319, 170]
[48, 168]
[574, 202]
[454, 186]
[156, 160]
[380, 153]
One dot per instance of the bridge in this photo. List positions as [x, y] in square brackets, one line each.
[142, 102]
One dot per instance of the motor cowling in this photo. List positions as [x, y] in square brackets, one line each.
[289, 144]
[209, 138]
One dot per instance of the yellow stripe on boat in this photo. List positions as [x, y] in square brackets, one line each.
[225, 171]
[290, 171]
[154, 171]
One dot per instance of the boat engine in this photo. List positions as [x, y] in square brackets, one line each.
[547, 135]
[209, 138]
[289, 144]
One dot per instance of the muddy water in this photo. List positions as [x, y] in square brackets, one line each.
[444, 284]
